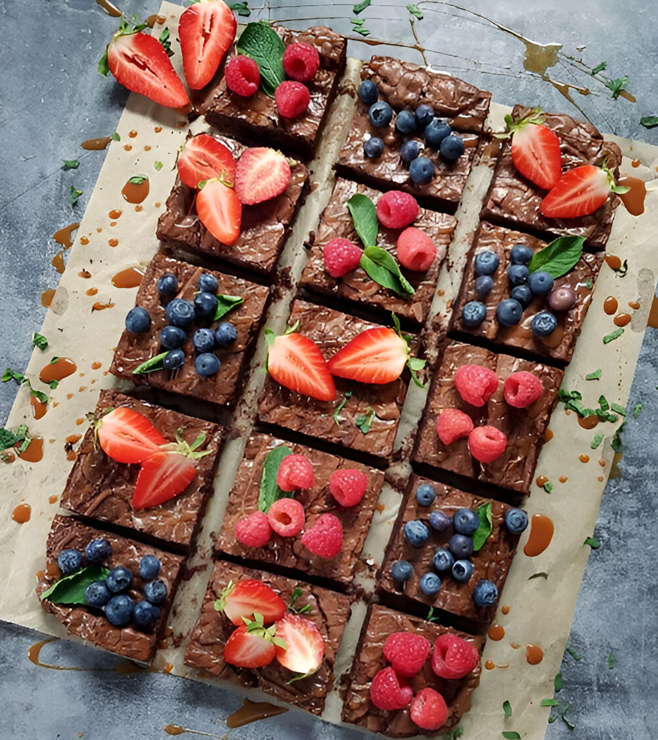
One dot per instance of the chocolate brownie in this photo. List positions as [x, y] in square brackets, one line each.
[560, 344]
[257, 119]
[329, 611]
[89, 623]
[515, 201]
[135, 349]
[101, 488]
[369, 660]
[356, 287]
[524, 428]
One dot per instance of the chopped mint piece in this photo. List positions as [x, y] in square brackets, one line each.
[415, 10]
[649, 121]
[75, 196]
[158, 166]
[617, 86]
[38, 340]
[137, 179]
[598, 438]
[507, 708]
[557, 682]
[115, 136]
[613, 335]
[599, 68]
[594, 376]
[359, 7]
[241, 9]
[612, 661]
[70, 164]
[592, 542]
[637, 410]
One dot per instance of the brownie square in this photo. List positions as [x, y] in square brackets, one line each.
[560, 344]
[369, 660]
[134, 349]
[492, 561]
[278, 406]
[257, 119]
[329, 611]
[89, 623]
[356, 287]
[289, 552]
[265, 226]
[101, 488]
[524, 428]
[515, 201]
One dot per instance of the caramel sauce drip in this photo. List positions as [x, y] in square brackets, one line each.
[113, 242]
[52, 499]
[22, 513]
[64, 237]
[542, 480]
[96, 144]
[541, 534]
[73, 438]
[613, 261]
[135, 193]
[96, 365]
[583, 458]
[98, 306]
[588, 422]
[58, 262]
[548, 435]
[610, 305]
[84, 274]
[622, 319]
[84, 240]
[174, 729]
[505, 609]
[534, 654]
[91, 291]
[634, 305]
[127, 147]
[38, 407]
[634, 199]
[115, 214]
[653, 314]
[133, 133]
[61, 368]
[131, 277]
[496, 632]
[34, 451]
[563, 479]
[635, 163]
[157, 129]
[602, 463]
[490, 665]
[252, 711]
[47, 297]
[152, 20]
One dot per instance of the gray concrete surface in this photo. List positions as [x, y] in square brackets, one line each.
[51, 99]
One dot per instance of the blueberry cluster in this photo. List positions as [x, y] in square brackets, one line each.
[455, 558]
[180, 314]
[437, 133]
[110, 594]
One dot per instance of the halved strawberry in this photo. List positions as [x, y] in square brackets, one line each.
[304, 649]
[206, 31]
[261, 174]
[205, 158]
[295, 361]
[220, 210]
[580, 191]
[252, 645]
[127, 436]
[249, 597]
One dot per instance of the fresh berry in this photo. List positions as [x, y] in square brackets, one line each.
[522, 294]
[149, 567]
[164, 475]
[287, 517]
[473, 314]
[250, 646]
[138, 320]
[424, 115]
[486, 443]
[440, 521]
[119, 610]
[127, 436]
[406, 652]
[486, 263]
[579, 192]
[174, 359]
[204, 340]
[295, 472]
[341, 256]
[367, 92]
[397, 209]
[416, 533]
[375, 356]
[205, 305]
[453, 424]
[462, 570]
[69, 561]
[421, 170]
[541, 282]
[517, 274]
[304, 649]
[172, 337]
[543, 324]
[428, 710]
[206, 31]
[452, 147]
[522, 389]
[373, 147]
[348, 486]
[484, 285]
[443, 560]
[253, 530]
[401, 571]
[562, 298]
[179, 312]
[409, 151]
[425, 494]
[225, 334]
[242, 75]
[461, 546]
[453, 657]
[205, 158]
[509, 312]
[119, 579]
[167, 284]
[521, 254]
[295, 362]
[475, 384]
[388, 692]
[145, 614]
[261, 174]
[97, 594]
[416, 250]
[301, 61]
[380, 114]
[155, 591]
[430, 584]
[98, 550]
[405, 122]
[435, 132]
[536, 152]
[220, 211]
[325, 537]
[516, 520]
[249, 597]
[485, 593]
[292, 99]
[465, 521]
[207, 364]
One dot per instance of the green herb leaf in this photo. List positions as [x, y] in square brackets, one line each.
[70, 164]
[381, 267]
[70, 590]
[150, 366]
[616, 440]
[560, 256]
[617, 86]
[362, 31]
[11, 439]
[53, 384]
[592, 542]
[165, 40]
[511, 735]
[649, 121]
[241, 9]
[415, 10]
[341, 406]
[263, 45]
[571, 725]
[225, 304]
[618, 409]
[137, 179]
[485, 527]
[158, 166]
[38, 340]
[599, 68]
[357, 21]
[598, 438]
[612, 661]
[538, 575]
[359, 7]
[637, 410]
[613, 335]
[269, 490]
[558, 683]
[573, 653]
[603, 403]
[430, 615]
[588, 284]
[364, 421]
[453, 734]
[115, 136]
[364, 217]
[593, 376]
[10, 374]
[103, 66]
[75, 196]
[293, 598]
[507, 708]
[549, 702]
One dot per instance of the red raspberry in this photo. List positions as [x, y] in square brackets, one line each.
[295, 472]
[348, 486]
[486, 443]
[301, 61]
[242, 75]
[522, 389]
[253, 530]
[292, 99]
[416, 251]
[475, 384]
[452, 425]
[406, 652]
[453, 657]
[287, 517]
[397, 209]
[428, 710]
[341, 257]
[388, 692]
[325, 537]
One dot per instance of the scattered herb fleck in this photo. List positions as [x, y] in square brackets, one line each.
[453, 734]
[137, 179]
[241, 9]
[11, 439]
[592, 542]
[594, 376]
[359, 7]
[548, 486]
[364, 421]
[75, 196]
[649, 121]
[598, 438]
[549, 702]
[588, 284]
[637, 410]
[618, 409]
[293, 598]
[507, 708]
[613, 335]
[165, 40]
[53, 384]
[70, 164]
[573, 654]
[538, 575]
[341, 406]
[38, 340]
[511, 735]
[616, 440]
[557, 682]
[151, 365]
[612, 661]
[431, 617]
[617, 86]
[599, 68]
[158, 166]
[415, 10]
[115, 136]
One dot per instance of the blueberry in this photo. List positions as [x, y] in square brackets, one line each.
[207, 364]
[174, 359]
[97, 594]
[225, 334]
[484, 285]
[168, 284]
[562, 298]
[380, 114]
[145, 615]
[119, 579]
[119, 610]
[440, 521]
[421, 170]
[522, 294]
[155, 592]
[401, 571]
[424, 115]
[485, 263]
[473, 314]
[204, 340]
[179, 312]
[443, 560]
[138, 320]
[516, 520]
[485, 593]
[543, 324]
[172, 337]
[98, 550]
[430, 583]
[416, 533]
[425, 494]
[517, 274]
[465, 521]
[462, 570]
[205, 305]
[373, 147]
[520, 254]
[409, 151]
[435, 132]
[368, 92]
[69, 561]
[452, 147]
[461, 546]
[509, 312]
[208, 283]
[541, 282]
[149, 567]
[405, 122]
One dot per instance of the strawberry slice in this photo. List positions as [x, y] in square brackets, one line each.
[127, 436]
[261, 174]
[580, 191]
[296, 363]
[220, 210]
[205, 158]
[206, 31]
[252, 645]
[248, 598]
[304, 649]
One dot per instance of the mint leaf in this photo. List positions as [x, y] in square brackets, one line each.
[618, 409]
[589, 284]
[453, 734]
[137, 179]
[241, 9]
[549, 702]
[573, 653]
[341, 406]
[11, 439]
[613, 335]
[364, 217]
[485, 527]
[612, 661]
[616, 440]
[511, 735]
[269, 489]
[415, 10]
[637, 410]
[70, 164]
[617, 86]
[103, 67]
[598, 438]
[594, 376]
[10, 374]
[297, 592]
[538, 575]
[152, 365]
[592, 542]
[225, 304]
[75, 196]
[507, 708]
[362, 31]
[158, 166]
[38, 340]
[53, 384]
[381, 267]
[558, 683]
[364, 421]
[263, 45]
[560, 256]
[70, 590]
[599, 68]
[359, 7]
[649, 121]
[165, 40]
[115, 136]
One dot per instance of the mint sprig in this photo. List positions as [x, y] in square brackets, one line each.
[70, 590]
[481, 534]
[269, 489]
[225, 304]
[560, 256]
[264, 46]
[152, 365]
